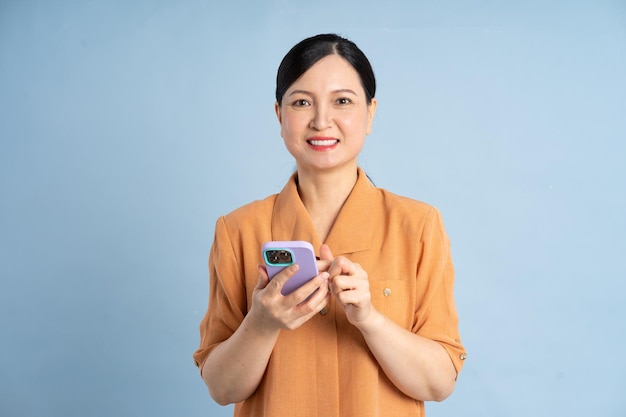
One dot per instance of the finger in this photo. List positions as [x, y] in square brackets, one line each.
[323, 265]
[318, 292]
[263, 277]
[341, 266]
[350, 298]
[340, 286]
[306, 290]
[319, 300]
[325, 253]
[326, 258]
[358, 298]
[283, 276]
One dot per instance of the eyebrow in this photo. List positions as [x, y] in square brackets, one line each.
[341, 90]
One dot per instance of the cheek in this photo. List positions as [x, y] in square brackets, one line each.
[289, 133]
[285, 127]
[356, 124]
[291, 125]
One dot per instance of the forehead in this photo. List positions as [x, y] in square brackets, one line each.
[332, 72]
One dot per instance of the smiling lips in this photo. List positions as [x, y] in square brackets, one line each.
[322, 144]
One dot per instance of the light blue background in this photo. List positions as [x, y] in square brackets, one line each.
[127, 127]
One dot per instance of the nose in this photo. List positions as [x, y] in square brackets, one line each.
[321, 119]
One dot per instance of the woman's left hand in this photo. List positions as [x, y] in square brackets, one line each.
[350, 286]
[418, 366]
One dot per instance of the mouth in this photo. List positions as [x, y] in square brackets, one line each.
[322, 143]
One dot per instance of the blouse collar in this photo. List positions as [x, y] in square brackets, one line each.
[353, 229]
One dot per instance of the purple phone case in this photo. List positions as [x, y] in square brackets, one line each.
[302, 254]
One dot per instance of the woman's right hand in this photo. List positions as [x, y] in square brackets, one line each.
[272, 310]
[235, 368]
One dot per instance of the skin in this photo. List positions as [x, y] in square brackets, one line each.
[327, 103]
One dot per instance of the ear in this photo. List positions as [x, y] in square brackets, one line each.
[277, 110]
[371, 111]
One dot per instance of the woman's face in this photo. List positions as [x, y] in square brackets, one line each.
[324, 116]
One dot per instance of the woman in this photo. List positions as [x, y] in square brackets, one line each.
[379, 334]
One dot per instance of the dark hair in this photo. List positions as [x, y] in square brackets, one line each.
[306, 53]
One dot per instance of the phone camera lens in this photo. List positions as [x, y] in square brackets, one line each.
[279, 256]
[285, 256]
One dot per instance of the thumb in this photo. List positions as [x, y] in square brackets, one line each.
[263, 277]
[325, 253]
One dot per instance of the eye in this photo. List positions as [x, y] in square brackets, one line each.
[343, 101]
[301, 103]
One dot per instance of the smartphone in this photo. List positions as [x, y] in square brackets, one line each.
[278, 255]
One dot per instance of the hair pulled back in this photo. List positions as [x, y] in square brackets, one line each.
[310, 50]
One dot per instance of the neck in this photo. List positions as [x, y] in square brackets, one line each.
[323, 195]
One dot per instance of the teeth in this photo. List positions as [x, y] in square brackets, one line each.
[325, 142]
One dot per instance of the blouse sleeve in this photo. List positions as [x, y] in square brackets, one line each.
[227, 295]
[436, 316]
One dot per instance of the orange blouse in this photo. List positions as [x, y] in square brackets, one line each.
[324, 368]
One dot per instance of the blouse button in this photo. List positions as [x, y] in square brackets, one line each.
[387, 292]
